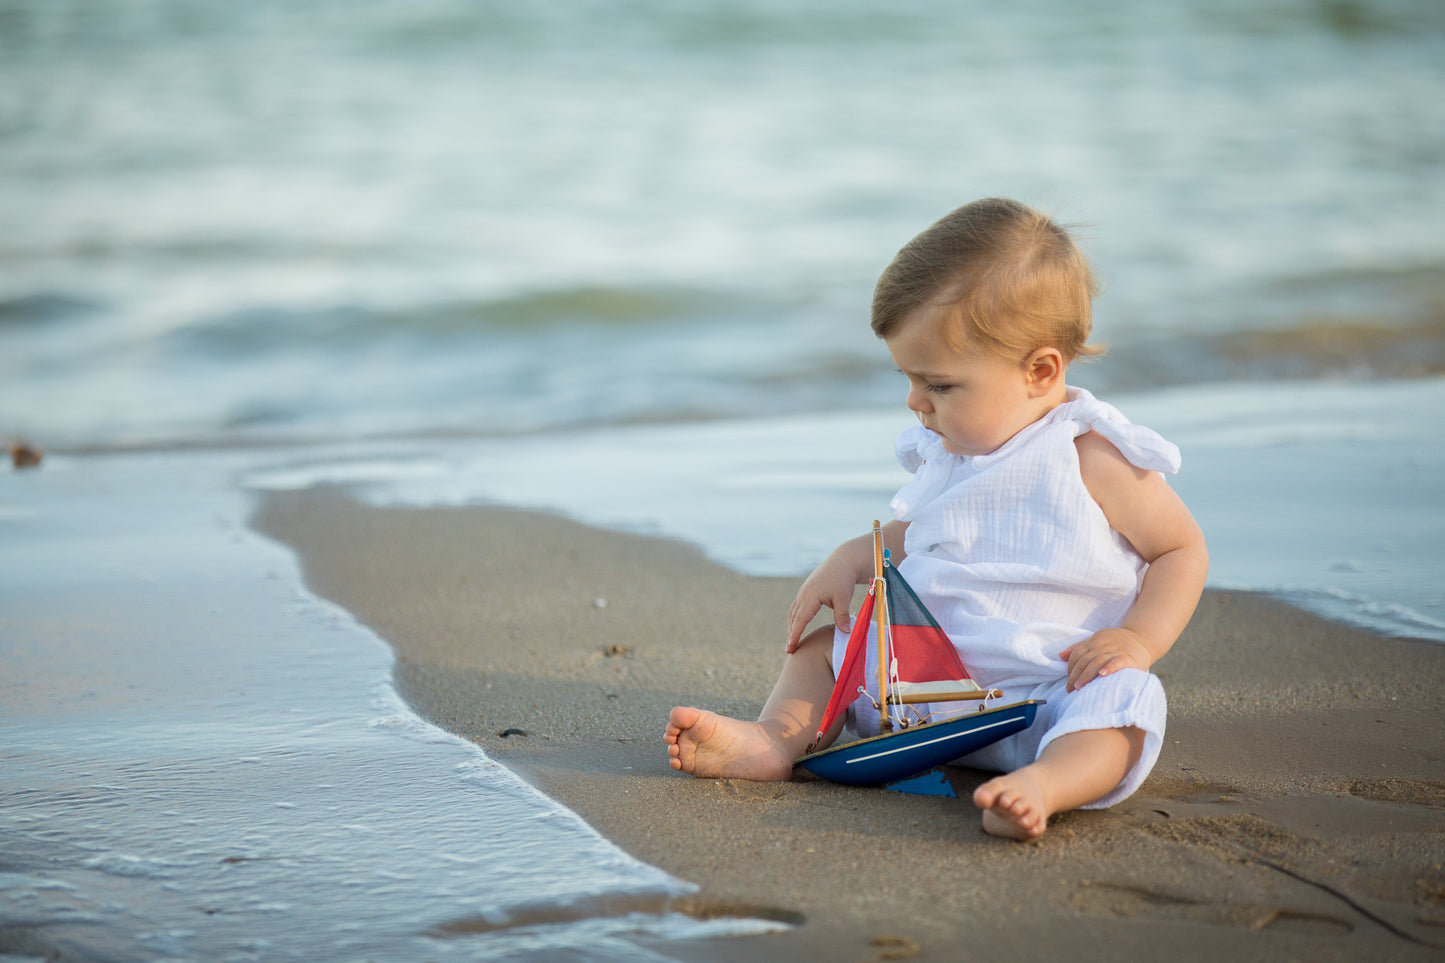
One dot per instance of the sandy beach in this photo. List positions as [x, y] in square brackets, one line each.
[614, 261]
[1297, 812]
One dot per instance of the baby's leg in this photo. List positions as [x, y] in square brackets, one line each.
[707, 744]
[1074, 769]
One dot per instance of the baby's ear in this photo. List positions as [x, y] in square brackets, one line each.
[1043, 370]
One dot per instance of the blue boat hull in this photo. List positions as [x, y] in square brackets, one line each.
[898, 755]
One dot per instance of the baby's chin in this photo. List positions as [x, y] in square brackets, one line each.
[952, 446]
[966, 451]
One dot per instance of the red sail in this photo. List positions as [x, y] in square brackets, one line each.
[850, 673]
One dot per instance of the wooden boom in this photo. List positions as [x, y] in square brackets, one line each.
[952, 695]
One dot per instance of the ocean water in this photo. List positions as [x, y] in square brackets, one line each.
[203, 761]
[306, 219]
[612, 260]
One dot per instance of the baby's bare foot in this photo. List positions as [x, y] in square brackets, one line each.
[709, 745]
[1013, 806]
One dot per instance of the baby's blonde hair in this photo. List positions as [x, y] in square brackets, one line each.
[1011, 279]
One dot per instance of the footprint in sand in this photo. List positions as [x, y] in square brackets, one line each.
[1412, 792]
[1136, 902]
[1279, 905]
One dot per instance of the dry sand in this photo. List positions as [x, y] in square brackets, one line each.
[1297, 811]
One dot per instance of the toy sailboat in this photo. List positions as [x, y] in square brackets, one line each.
[916, 664]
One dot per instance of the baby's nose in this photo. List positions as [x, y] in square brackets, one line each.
[918, 400]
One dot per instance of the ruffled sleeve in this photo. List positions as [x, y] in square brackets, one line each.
[921, 452]
[1143, 447]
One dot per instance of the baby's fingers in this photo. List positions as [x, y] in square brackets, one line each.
[798, 618]
[1093, 667]
[1086, 669]
[803, 612]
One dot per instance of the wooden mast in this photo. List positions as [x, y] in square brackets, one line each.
[880, 612]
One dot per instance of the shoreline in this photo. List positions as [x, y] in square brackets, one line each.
[1297, 808]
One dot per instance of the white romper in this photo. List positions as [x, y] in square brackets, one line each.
[1017, 562]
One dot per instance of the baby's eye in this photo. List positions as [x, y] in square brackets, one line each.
[937, 389]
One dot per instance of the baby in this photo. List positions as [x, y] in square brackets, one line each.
[1037, 529]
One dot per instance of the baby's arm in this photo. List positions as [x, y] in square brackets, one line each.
[1142, 507]
[832, 582]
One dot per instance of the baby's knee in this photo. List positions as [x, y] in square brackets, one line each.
[821, 636]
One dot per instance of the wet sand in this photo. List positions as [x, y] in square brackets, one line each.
[1297, 811]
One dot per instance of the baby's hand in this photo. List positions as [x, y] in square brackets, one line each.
[1104, 653]
[831, 584]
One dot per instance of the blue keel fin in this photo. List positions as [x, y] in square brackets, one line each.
[934, 782]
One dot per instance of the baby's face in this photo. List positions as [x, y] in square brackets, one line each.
[973, 399]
